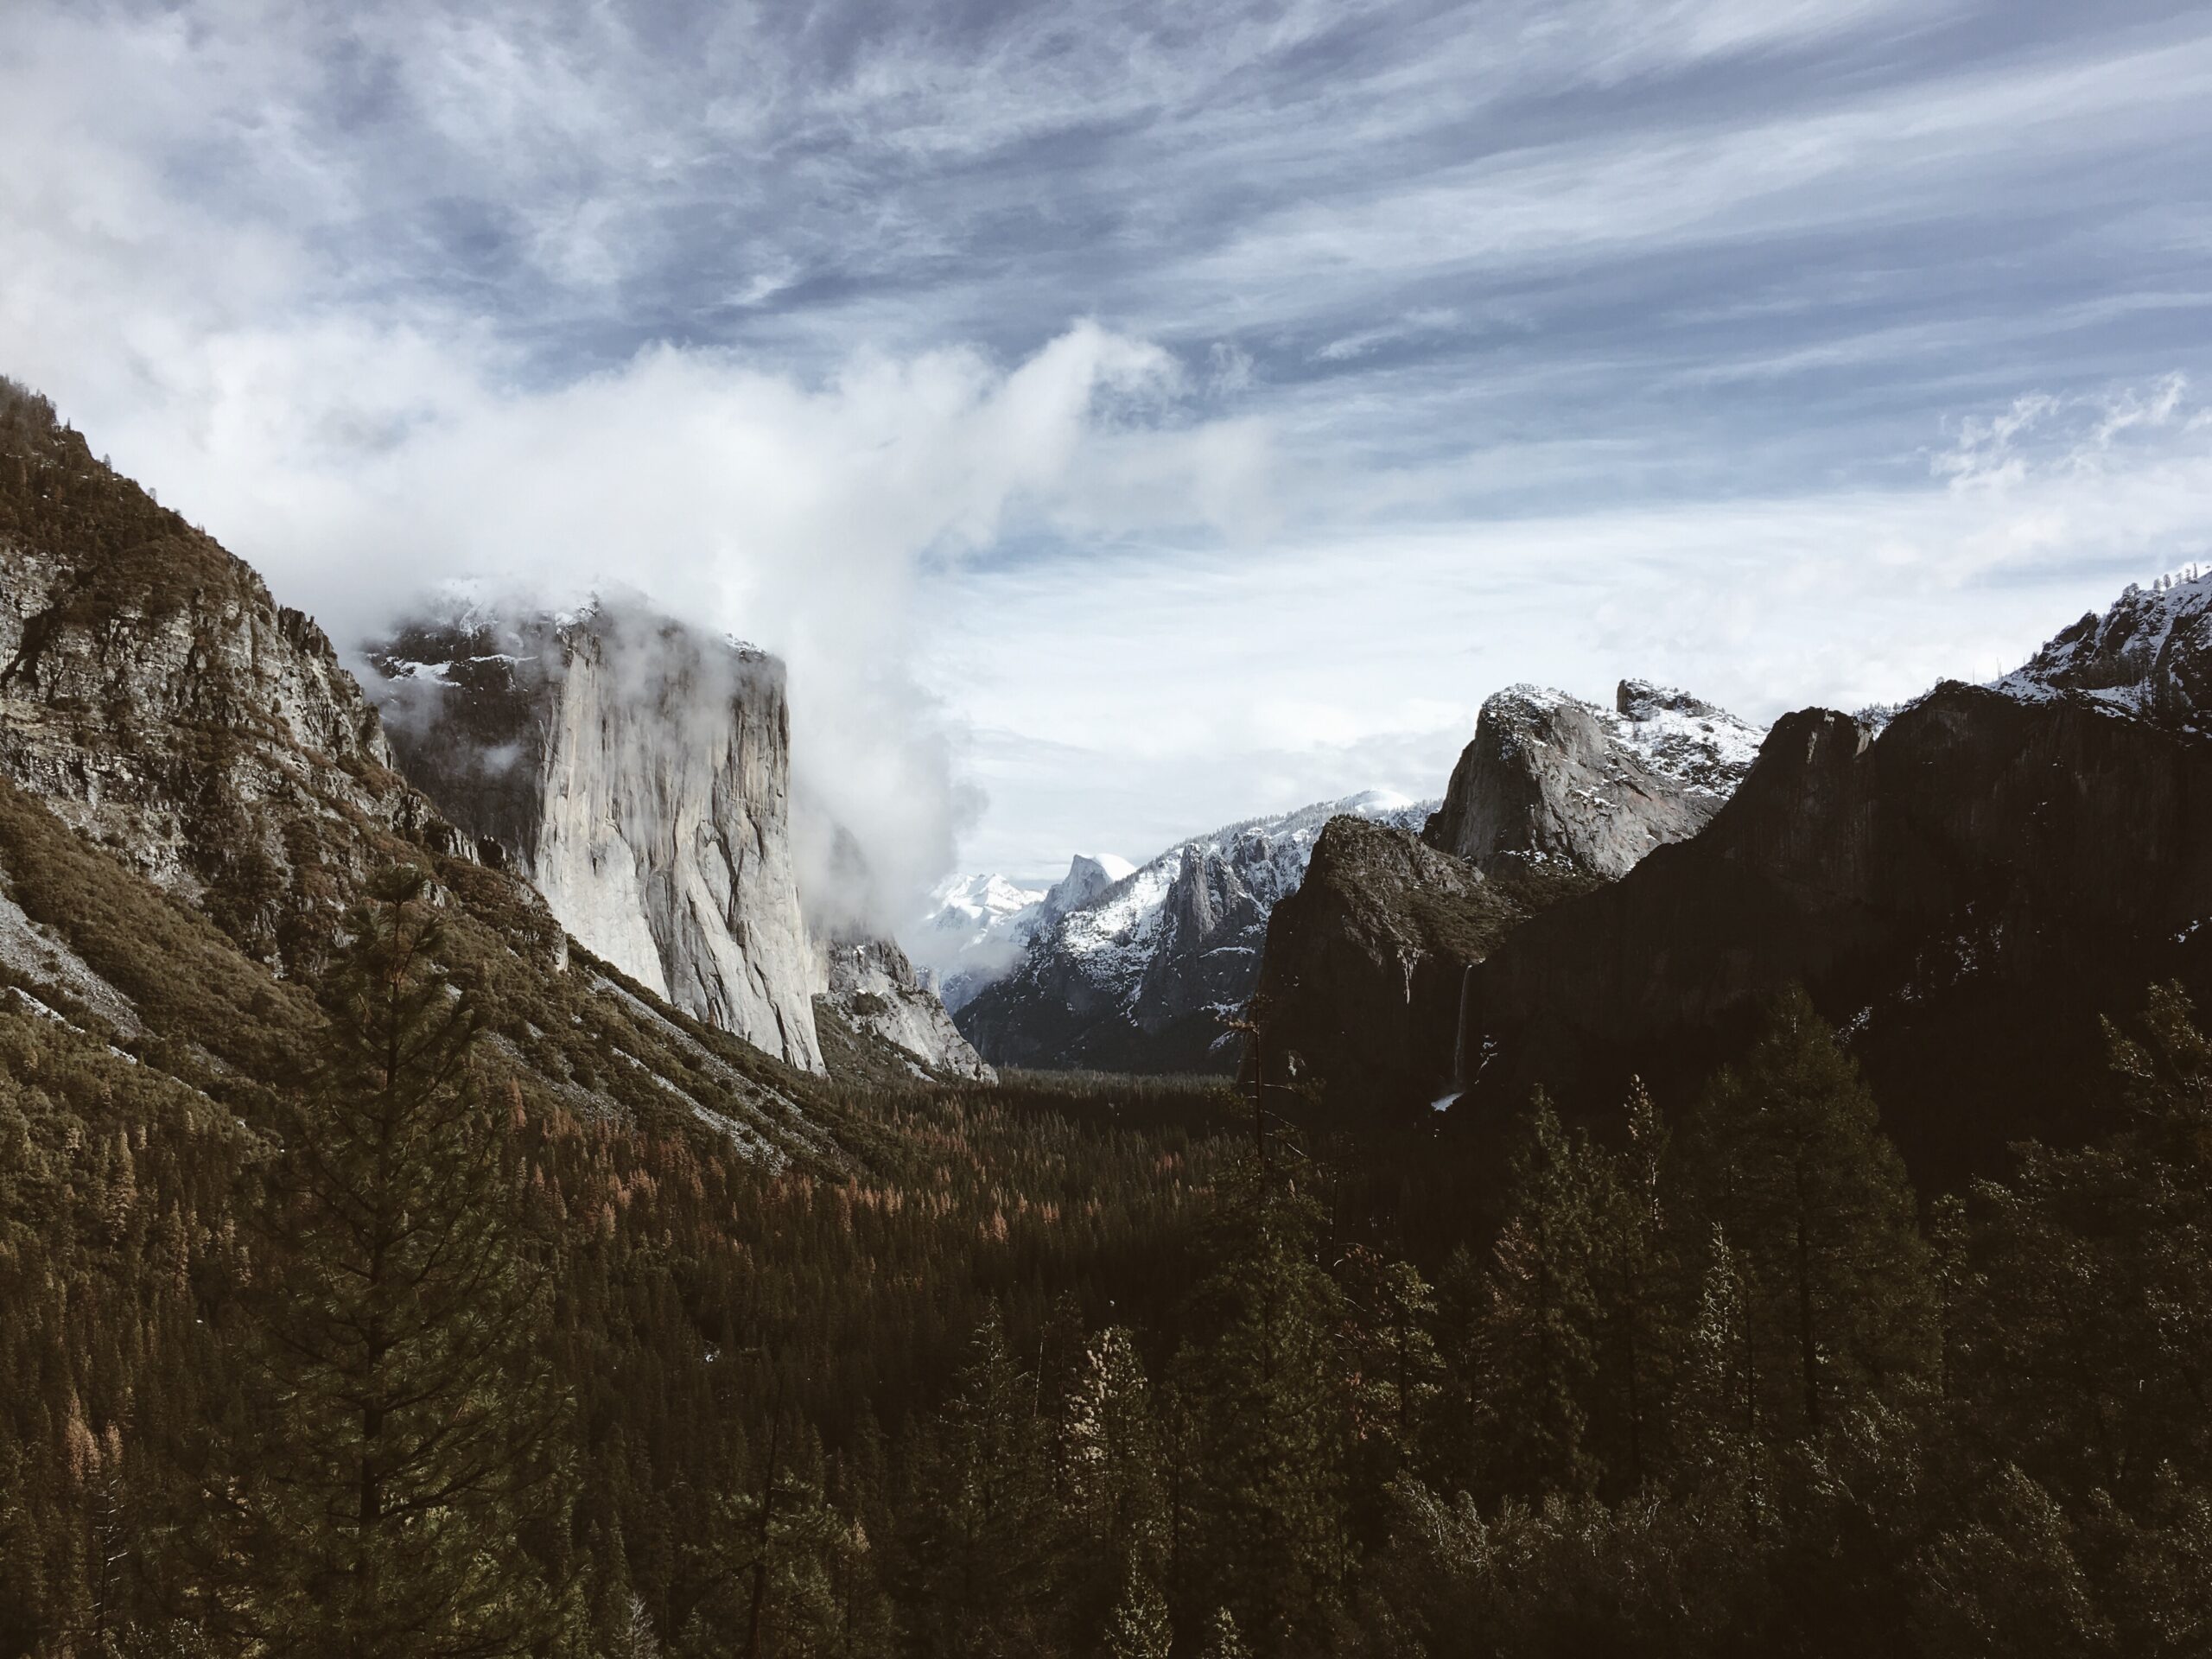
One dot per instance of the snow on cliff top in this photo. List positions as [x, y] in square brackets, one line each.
[2149, 655]
[1675, 734]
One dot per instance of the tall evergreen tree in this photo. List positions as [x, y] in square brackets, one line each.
[2085, 1336]
[406, 1437]
[1785, 1152]
[984, 1550]
[1261, 1379]
[1540, 1335]
[1138, 1628]
[1633, 1273]
[1111, 1483]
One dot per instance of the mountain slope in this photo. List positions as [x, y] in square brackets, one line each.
[1551, 797]
[191, 789]
[154, 695]
[1966, 891]
[1133, 976]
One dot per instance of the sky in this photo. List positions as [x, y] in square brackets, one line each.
[1126, 418]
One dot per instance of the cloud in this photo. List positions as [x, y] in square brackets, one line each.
[2039, 435]
[1784, 347]
[1355, 657]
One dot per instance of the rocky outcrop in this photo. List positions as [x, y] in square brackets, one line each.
[871, 985]
[161, 721]
[1135, 976]
[639, 775]
[158, 699]
[1360, 989]
[1550, 778]
[1965, 894]
[1553, 795]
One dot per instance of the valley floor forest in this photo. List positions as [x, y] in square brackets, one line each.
[349, 1346]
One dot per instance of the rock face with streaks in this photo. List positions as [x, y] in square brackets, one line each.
[874, 988]
[640, 776]
[638, 773]
[1360, 989]
[158, 699]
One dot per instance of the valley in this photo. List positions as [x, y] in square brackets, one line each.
[1689, 1187]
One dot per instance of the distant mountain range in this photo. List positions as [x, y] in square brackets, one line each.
[1122, 969]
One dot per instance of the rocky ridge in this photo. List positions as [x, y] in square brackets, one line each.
[2149, 655]
[157, 699]
[1551, 797]
[1966, 890]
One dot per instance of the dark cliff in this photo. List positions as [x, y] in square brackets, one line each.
[1964, 894]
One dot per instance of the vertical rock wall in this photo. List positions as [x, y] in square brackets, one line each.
[640, 776]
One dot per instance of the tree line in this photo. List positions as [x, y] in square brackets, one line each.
[423, 1366]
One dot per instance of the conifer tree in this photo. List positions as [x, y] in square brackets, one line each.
[1261, 1379]
[984, 1548]
[1786, 1153]
[1718, 1427]
[1138, 1628]
[1224, 1639]
[405, 1435]
[1111, 1481]
[1539, 1339]
[2084, 1339]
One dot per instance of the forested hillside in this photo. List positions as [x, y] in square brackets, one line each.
[1077, 1369]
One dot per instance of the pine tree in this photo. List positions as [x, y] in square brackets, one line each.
[405, 1434]
[1261, 1381]
[1139, 1627]
[1717, 1429]
[1633, 1273]
[984, 1548]
[1113, 1493]
[2082, 1342]
[1786, 1153]
[1224, 1640]
[1539, 1339]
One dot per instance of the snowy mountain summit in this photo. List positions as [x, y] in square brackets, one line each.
[2149, 656]
[1549, 777]
[1130, 969]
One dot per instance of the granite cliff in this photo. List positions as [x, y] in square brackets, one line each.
[1965, 891]
[638, 774]
[193, 789]
[1551, 797]
[159, 702]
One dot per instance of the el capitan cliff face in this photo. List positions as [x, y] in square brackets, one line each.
[640, 776]
[638, 772]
